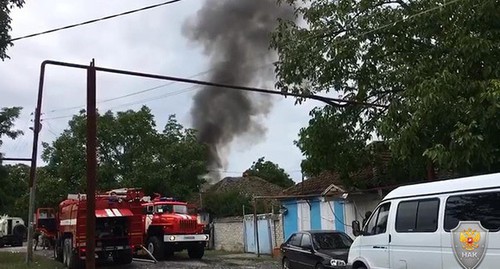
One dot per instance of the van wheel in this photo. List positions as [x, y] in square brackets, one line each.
[361, 267]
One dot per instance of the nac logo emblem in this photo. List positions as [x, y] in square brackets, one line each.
[469, 243]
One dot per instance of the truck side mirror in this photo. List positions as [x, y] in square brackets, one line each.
[356, 230]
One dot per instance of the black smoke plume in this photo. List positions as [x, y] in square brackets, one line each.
[235, 34]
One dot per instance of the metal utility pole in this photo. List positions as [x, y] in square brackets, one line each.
[32, 181]
[91, 164]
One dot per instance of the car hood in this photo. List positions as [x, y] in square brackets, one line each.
[340, 254]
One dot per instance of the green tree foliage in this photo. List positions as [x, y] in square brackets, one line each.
[14, 188]
[7, 118]
[131, 153]
[5, 7]
[435, 65]
[331, 143]
[226, 204]
[270, 172]
[232, 203]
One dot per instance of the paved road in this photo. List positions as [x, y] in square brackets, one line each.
[211, 260]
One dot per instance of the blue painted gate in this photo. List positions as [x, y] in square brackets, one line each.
[265, 234]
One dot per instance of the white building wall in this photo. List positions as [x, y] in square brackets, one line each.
[304, 216]
[356, 207]
[327, 218]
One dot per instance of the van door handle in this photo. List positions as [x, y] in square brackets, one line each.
[379, 247]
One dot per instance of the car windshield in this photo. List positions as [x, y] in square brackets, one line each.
[331, 241]
[182, 209]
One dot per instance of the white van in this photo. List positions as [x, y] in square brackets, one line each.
[449, 224]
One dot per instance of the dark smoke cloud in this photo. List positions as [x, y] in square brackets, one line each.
[235, 34]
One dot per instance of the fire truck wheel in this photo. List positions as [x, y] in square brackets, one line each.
[58, 250]
[123, 257]
[196, 252]
[156, 247]
[66, 252]
[102, 256]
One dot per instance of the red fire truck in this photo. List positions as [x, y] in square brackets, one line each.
[168, 227]
[46, 223]
[118, 228]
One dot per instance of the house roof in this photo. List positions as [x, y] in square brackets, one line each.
[315, 185]
[248, 185]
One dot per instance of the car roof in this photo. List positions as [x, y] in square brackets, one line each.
[320, 231]
[488, 181]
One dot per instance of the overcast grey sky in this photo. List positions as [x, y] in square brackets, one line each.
[150, 41]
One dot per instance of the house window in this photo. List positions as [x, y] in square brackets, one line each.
[417, 216]
[378, 221]
[484, 207]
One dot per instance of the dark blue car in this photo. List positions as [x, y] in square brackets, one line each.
[316, 250]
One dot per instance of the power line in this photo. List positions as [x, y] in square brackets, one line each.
[163, 96]
[159, 97]
[127, 95]
[95, 20]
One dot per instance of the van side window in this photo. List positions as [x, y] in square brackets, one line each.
[484, 207]
[378, 222]
[417, 216]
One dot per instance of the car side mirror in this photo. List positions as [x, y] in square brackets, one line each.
[356, 229]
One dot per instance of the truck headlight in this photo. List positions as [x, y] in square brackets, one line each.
[335, 262]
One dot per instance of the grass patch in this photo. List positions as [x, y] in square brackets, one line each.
[10, 260]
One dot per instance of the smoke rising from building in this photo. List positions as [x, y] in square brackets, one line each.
[235, 34]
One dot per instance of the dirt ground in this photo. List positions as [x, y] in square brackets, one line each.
[212, 259]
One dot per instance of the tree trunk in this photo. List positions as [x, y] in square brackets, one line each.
[431, 173]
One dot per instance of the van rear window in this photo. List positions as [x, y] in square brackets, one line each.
[483, 207]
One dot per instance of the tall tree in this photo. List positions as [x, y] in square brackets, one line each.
[435, 65]
[5, 7]
[131, 153]
[270, 172]
[332, 143]
[14, 197]
[7, 118]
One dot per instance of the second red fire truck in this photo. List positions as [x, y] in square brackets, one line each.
[119, 228]
[168, 227]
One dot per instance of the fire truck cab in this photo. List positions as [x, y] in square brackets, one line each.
[118, 229]
[170, 228]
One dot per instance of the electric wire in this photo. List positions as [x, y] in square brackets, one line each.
[94, 20]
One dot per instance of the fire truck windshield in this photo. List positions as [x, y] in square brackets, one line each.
[182, 209]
